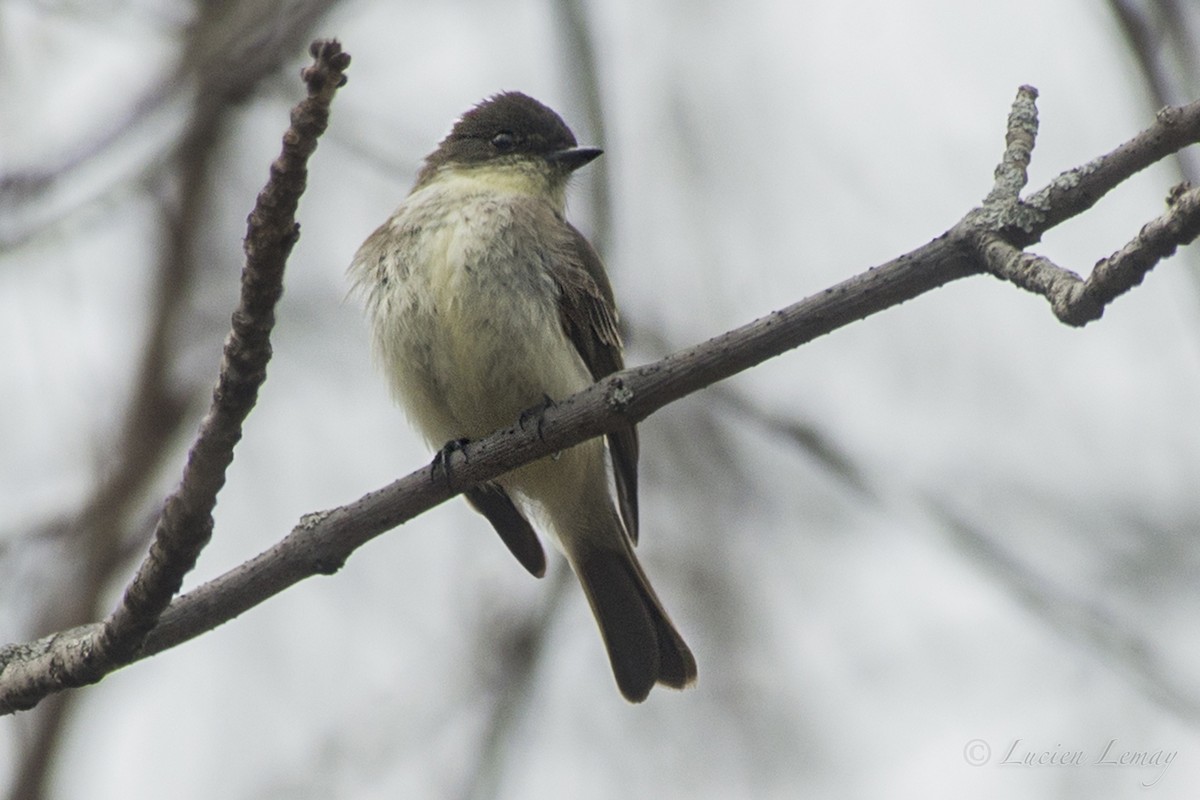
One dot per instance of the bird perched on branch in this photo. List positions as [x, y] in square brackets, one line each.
[484, 303]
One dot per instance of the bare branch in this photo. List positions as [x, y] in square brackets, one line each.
[581, 62]
[1077, 190]
[1122, 646]
[322, 542]
[1162, 37]
[511, 685]
[809, 440]
[1124, 269]
[1076, 301]
[185, 525]
[186, 522]
[110, 526]
[1065, 290]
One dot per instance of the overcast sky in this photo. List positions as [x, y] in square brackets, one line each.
[1014, 563]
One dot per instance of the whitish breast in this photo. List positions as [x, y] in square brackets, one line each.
[473, 333]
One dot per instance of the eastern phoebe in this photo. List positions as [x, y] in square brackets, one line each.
[484, 303]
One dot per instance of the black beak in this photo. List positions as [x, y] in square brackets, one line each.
[573, 158]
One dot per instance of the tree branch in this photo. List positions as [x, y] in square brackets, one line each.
[1077, 301]
[226, 58]
[322, 542]
[185, 524]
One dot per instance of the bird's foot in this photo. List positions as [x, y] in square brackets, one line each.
[441, 461]
[536, 412]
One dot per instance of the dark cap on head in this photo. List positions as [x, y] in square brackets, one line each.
[509, 124]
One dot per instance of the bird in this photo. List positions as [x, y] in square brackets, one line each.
[485, 303]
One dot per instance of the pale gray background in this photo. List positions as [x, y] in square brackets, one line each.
[1018, 559]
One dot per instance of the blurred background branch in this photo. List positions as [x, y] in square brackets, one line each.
[1162, 37]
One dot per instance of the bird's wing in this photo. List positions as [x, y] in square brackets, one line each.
[589, 318]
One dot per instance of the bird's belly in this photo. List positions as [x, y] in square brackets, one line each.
[481, 341]
[505, 352]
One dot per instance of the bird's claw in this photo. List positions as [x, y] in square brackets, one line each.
[537, 411]
[441, 460]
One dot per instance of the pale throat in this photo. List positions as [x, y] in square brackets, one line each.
[523, 179]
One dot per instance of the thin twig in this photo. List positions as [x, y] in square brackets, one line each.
[580, 59]
[522, 652]
[1120, 645]
[1013, 172]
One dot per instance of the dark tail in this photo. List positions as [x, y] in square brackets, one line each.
[642, 644]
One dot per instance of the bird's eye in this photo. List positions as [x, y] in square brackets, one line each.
[504, 141]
